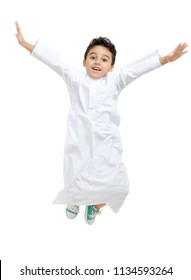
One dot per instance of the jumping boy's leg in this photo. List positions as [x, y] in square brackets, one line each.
[91, 212]
[72, 211]
[99, 206]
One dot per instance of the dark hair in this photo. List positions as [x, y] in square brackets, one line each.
[102, 41]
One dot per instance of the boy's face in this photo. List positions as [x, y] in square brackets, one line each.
[98, 62]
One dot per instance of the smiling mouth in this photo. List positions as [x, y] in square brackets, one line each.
[96, 69]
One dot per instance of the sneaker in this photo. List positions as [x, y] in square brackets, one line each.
[72, 211]
[91, 213]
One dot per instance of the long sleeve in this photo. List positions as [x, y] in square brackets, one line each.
[54, 60]
[132, 71]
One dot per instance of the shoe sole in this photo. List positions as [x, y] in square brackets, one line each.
[70, 214]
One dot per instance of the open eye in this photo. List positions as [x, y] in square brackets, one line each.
[105, 60]
[92, 57]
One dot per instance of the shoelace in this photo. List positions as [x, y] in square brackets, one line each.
[94, 211]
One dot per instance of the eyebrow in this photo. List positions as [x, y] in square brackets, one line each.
[96, 54]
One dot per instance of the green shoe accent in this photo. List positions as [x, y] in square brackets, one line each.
[91, 213]
[72, 211]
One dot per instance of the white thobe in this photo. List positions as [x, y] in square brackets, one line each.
[93, 169]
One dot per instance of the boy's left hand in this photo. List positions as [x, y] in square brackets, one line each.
[178, 52]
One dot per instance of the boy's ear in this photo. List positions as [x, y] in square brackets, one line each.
[84, 63]
[111, 69]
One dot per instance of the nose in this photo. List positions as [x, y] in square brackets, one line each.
[97, 61]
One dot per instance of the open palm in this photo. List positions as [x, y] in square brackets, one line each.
[178, 52]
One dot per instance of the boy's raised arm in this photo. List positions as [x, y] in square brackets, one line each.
[175, 54]
[21, 39]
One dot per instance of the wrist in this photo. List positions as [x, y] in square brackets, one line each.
[23, 43]
[168, 59]
[27, 45]
[165, 59]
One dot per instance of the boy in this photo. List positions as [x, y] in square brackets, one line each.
[94, 174]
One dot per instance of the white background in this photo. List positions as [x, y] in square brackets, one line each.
[153, 226]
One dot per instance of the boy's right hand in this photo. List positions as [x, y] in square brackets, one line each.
[19, 34]
[21, 39]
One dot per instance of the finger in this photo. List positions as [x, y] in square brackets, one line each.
[183, 46]
[18, 27]
[179, 46]
[184, 52]
[17, 24]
